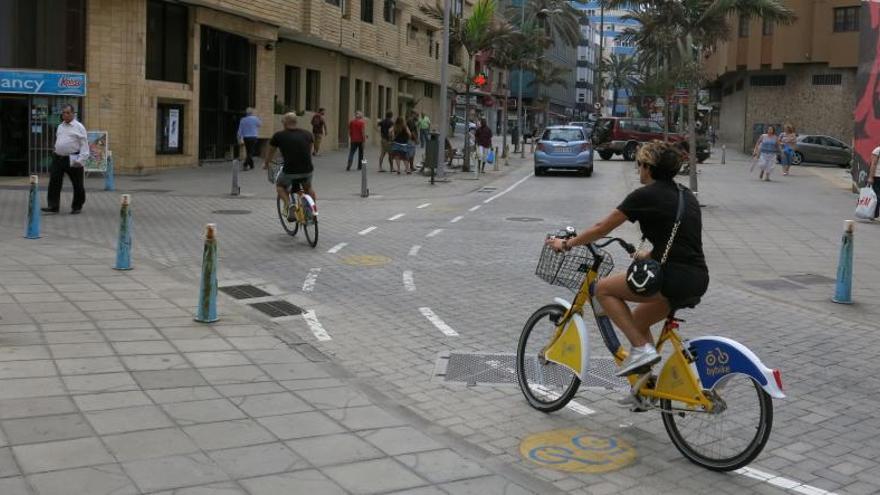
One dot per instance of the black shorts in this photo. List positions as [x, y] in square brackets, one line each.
[293, 181]
[684, 285]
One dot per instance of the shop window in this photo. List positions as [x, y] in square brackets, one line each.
[744, 26]
[169, 129]
[358, 95]
[167, 41]
[846, 19]
[768, 27]
[388, 11]
[313, 90]
[429, 90]
[43, 34]
[292, 87]
[368, 99]
[769, 80]
[367, 11]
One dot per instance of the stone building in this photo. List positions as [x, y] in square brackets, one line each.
[803, 73]
[169, 81]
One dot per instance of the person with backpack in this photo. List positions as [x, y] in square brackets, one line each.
[319, 129]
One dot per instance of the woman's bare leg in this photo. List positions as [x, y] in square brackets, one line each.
[612, 292]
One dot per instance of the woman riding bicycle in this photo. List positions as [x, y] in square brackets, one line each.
[685, 274]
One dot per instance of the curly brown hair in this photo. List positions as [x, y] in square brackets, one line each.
[663, 159]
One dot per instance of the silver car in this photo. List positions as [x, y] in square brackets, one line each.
[814, 148]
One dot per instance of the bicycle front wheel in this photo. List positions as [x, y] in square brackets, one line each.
[310, 229]
[730, 436]
[546, 385]
[289, 227]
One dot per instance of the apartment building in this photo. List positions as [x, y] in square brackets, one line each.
[587, 60]
[169, 80]
[804, 73]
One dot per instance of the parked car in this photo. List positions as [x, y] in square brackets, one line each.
[587, 125]
[623, 135]
[564, 147]
[813, 148]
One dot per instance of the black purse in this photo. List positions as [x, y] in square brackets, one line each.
[645, 277]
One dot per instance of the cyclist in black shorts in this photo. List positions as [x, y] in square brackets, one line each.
[296, 149]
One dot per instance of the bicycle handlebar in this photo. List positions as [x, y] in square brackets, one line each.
[629, 248]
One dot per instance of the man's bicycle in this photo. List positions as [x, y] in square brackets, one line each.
[303, 208]
[713, 393]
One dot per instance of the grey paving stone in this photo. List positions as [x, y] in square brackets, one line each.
[88, 366]
[228, 434]
[439, 466]
[149, 444]
[334, 449]
[306, 481]
[14, 486]
[275, 356]
[400, 440]
[364, 418]
[188, 333]
[216, 359]
[8, 467]
[334, 397]
[311, 383]
[46, 428]
[155, 362]
[112, 400]
[206, 411]
[301, 425]
[376, 476]
[258, 460]
[111, 421]
[271, 404]
[168, 379]
[425, 490]
[26, 352]
[76, 350]
[38, 406]
[19, 388]
[482, 486]
[244, 389]
[74, 337]
[143, 347]
[255, 343]
[27, 369]
[163, 473]
[51, 456]
[212, 489]
[136, 334]
[97, 480]
[171, 395]
[99, 383]
[227, 375]
[294, 371]
[207, 344]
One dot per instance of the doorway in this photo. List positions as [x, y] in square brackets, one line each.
[343, 112]
[14, 132]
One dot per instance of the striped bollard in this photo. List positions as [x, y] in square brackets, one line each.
[843, 287]
[33, 212]
[123, 244]
[207, 310]
[109, 179]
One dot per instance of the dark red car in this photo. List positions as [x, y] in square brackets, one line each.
[623, 135]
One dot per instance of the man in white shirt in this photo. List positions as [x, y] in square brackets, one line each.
[874, 176]
[71, 152]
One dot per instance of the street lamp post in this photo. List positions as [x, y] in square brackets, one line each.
[519, 100]
[444, 94]
[598, 73]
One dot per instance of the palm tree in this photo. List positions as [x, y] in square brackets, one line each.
[546, 75]
[685, 30]
[558, 19]
[620, 72]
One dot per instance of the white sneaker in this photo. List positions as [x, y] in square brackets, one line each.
[639, 357]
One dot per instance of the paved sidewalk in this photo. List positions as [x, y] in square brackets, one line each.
[108, 386]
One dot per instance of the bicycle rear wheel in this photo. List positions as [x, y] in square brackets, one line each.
[731, 436]
[289, 227]
[547, 386]
[310, 229]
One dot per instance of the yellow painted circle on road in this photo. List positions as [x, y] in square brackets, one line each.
[366, 260]
[577, 451]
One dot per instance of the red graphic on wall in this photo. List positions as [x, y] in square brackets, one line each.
[867, 111]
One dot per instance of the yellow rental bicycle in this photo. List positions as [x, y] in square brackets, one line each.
[303, 207]
[713, 393]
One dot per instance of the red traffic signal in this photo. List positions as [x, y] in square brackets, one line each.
[480, 80]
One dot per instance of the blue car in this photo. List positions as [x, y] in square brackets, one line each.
[564, 147]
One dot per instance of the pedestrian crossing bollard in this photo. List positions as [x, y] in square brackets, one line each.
[32, 230]
[723, 154]
[109, 179]
[207, 310]
[365, 191]
[495, 166]
[123, 244]
[843, 287]
[236, 166]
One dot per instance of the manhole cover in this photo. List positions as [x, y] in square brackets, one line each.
[500, 369]
[810, 279]
[231, 212]
[525, 219]
[244, 291]
[775, 284]
[158, 191]
[276, 309]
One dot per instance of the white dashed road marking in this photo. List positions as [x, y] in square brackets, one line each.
[395, 217]
[423, 206]
[440, 324]
[414, 251]
[502, 193]
[315, 325]
[572, 405]
[474, 208]
[408, 282]
[456, 219]
[434, 232]
[785, 483]
[311, 278]
[335, 249]
[368, 230]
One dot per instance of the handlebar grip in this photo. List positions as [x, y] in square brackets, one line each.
[630, 249]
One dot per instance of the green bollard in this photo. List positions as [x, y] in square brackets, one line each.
[207, 310]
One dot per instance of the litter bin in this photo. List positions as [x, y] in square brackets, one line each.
[432, 151]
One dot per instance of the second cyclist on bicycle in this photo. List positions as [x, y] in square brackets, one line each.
[296, 149]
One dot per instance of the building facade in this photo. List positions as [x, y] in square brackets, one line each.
[803, 74]
[587, 59]
[168, 81]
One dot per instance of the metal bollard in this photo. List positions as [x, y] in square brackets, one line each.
[123, 244]
[495, 166]
[207, 309]
[236, 166]
[32, 231]
[365, 192]
[723, 154]
[109, 178]
[843, 287]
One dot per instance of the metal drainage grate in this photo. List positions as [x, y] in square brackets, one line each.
[275, 309]
[775, 284]
[809, 279]
[524, 219]
[500, 369]
[487, 189]
[231, 212]
[244, 291]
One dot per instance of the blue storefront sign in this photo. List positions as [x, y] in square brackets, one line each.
[42, 83]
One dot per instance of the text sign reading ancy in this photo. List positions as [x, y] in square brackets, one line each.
[43, 83]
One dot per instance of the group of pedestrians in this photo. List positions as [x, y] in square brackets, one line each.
[769, 146]
[399, 138]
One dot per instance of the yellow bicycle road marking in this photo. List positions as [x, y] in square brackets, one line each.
[577, 451]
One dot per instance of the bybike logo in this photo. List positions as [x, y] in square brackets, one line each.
[578, 451]
[716, 362]
[70, 82]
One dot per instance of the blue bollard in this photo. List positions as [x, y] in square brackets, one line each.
[843, 288]
[109, 179]
[207, 310]
[33, 213]
[123, 244]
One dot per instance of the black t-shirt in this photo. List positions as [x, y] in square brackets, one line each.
[384, 126]
[654, 206]
[296, 148]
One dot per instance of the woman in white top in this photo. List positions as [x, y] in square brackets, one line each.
[874, 176]
[789, 146]
[765, 152]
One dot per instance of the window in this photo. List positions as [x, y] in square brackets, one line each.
[388, 13]
[744, 22]
[313, 90]
[437, 50]
[771, 80]
[169, 129]
[380, 108]
[358, 95]
[387, 100]
[368, 99]
[43, 34]
[167, 41]
[740, 84]
[846, 19]
[412, 32]
[430, 44]
[767, 27]
[367, 11]
[429, 90]
[292, 87]
[334, 2]
[827, 80]
[458, 8]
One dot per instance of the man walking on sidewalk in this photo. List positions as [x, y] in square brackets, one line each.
[319, 128]
[248, 132]
[71, 152]
[356, 137]
[424, 129]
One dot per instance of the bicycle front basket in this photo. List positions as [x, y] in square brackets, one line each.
[569, 269]
[273, 171]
